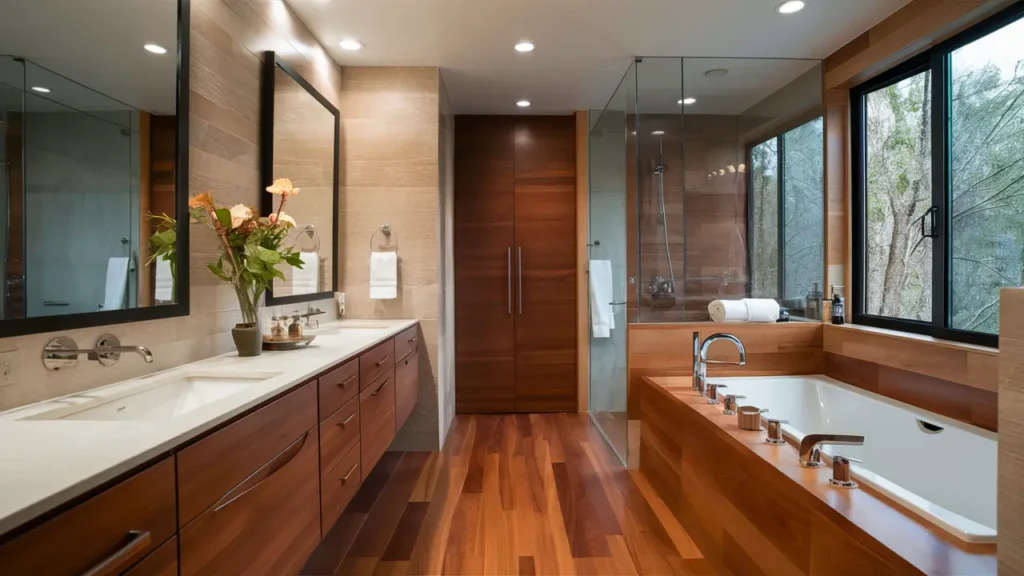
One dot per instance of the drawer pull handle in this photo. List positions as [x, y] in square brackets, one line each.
[413, 339]
[138, 540]
[266, 471]
[345, 479]
[379, 388]
[349, 379]
[381, 363]
[347, 420]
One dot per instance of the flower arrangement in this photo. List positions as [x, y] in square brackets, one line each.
[251, 247]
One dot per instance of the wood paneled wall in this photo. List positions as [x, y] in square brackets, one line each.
[1011, 436]
[582, 254]
[772, 350]
[752, 510]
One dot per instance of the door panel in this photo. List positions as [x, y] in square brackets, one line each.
[545, 231]
[484, 235]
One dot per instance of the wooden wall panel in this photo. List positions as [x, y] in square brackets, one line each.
[751, 509]
[1011, 436]
[772, 350]
[582, 255]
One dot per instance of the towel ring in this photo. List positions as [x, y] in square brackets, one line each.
[310, 232]
[386, 231]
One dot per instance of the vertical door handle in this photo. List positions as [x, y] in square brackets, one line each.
[508, 263]
[520, 262]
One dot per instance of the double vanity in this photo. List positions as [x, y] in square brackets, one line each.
[227, 465]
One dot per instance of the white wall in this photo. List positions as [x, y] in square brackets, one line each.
[446, 342]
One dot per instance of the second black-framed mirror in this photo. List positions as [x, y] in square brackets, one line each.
[300, 139]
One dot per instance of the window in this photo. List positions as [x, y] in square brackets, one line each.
[787, 209]
[939, 186]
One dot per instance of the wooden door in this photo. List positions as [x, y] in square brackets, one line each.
[545, 234]
[484, 240]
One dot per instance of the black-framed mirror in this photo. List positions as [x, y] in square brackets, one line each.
[94, 114]
[300, 139]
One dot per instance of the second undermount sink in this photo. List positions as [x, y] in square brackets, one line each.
[155, 399]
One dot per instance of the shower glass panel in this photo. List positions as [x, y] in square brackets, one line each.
[611, 144]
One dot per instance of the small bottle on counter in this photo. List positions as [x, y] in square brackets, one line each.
[812, 305]
[295, 328]
[838, 306]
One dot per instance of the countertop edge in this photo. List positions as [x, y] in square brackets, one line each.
[29, 512]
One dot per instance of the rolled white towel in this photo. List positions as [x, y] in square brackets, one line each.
[728, 311]
[761, 309]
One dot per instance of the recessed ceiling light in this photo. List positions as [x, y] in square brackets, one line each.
[658, 133]
[790, 6]
[155, 49]
[525, 46]
[41, 90]
[351, 45]
[716, 72]
[687, 101]
[523, 103]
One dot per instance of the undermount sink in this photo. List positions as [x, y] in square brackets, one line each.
[155, 399]
[357, 324]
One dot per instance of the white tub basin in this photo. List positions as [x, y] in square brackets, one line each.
[154, 398]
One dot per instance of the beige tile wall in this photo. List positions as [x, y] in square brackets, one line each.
[1011, 432]
[228, 39]
[389, 135]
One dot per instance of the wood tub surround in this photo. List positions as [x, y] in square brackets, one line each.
[254, 495]
[751, 508]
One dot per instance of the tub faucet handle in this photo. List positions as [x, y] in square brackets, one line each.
[775, 431]
[712, 392]
[730, 404]
[841, 475]
[810, 455]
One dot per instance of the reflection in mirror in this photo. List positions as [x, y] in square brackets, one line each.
[305, 150]
[87, 155]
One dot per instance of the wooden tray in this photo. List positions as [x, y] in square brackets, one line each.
[287, 343]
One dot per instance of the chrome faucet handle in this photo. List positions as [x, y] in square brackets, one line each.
[775, 431]
[730, 404]
[842, 477]
[810, 455]
[712, 392]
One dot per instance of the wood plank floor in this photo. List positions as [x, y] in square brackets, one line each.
[512, 494]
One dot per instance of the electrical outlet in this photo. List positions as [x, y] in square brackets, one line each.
[10, 367]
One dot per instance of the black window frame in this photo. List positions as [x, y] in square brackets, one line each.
[938, 60]
[780, 231]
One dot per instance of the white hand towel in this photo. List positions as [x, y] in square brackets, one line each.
[163, 291]
[761, 309]
[602, 317]
[728, 311]
[383, 275]
[307, 280]
[117, 283]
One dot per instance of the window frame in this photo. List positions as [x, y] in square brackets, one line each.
[937, 60]
[780, 232]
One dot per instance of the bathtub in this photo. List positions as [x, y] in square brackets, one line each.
[941, 469]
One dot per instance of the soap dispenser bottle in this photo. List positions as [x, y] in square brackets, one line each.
[838, 306]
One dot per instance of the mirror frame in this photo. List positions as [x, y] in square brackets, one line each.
[271, 62]
[55, 323]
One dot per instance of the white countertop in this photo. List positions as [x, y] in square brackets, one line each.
[45, 463]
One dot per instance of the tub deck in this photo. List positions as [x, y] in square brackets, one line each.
[752, 509]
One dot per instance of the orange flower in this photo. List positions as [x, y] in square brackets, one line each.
[282, 187]
[204, 200]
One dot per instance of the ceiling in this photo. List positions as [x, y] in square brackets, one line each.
[98, 44]
[583, 46]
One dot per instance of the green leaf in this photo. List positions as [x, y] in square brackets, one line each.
[269, 256]
[218, 269]
[224, 217]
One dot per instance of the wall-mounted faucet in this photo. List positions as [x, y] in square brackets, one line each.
[63, 352]
[810, 456]
[700, 357]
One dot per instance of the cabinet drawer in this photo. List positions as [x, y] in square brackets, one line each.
[377, 420]
[406, 388]
[338, 387]
[338, 487]
[213, 466]
[163, 562]
[268, 524]
[376, 362]
[406, 342]
[117, 527]
[338, 435]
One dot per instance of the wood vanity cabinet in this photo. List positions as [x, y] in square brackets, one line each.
[163, 562]
[377, 420]
[107, 533]
[337, 387]
[376, 362]
[406, 388]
